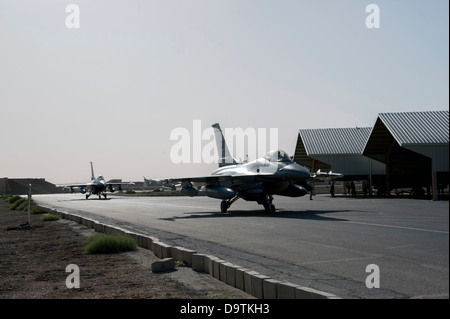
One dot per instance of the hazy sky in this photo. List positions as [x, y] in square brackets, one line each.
[113, 90]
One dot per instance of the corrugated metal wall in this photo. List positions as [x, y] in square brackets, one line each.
[353, 164]
[438, 155]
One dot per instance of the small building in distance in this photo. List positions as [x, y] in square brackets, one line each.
[19, 186]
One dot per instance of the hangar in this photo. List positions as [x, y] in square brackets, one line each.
[414, 148]
[339, 150]
[407, 150]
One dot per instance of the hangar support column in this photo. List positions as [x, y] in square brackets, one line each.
[434, 182]
[388, 168]
[313, 167]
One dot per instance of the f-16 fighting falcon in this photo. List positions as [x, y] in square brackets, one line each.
[259, 180]
[158, 183]
[97, 186]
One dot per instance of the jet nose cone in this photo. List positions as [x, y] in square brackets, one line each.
[295, 171]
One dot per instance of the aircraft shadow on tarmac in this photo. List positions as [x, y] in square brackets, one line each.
[83, 199]
[306, 214]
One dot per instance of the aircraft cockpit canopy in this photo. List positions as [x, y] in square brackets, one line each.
[278, 156]
[100, 177]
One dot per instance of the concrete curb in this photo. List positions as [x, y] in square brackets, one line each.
[252, 282]
[163, 265]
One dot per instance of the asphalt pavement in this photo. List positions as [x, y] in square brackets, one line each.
[341, 245]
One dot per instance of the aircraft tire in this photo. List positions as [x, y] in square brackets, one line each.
[269, 208]
[272, 209]
[224, 206]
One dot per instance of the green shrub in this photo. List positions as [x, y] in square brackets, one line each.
[6, 197]
[14, 198]
[49, 218]
[20, 203]
[35, 209]
[17, 203]
[23, 205]
[100, 243]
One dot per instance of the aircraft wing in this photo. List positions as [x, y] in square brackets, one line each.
[224, 179]
[230, 180]
[75, 185]
[84, 185]
[119, 183]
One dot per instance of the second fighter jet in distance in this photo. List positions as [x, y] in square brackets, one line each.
[97, 186]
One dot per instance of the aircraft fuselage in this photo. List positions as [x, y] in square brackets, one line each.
[280, 178]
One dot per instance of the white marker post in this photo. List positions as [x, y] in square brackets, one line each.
[29, 204]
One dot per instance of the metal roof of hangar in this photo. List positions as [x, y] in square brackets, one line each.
[418, 128]
[335, 141]
[339, 149]
[302, 157]
[424, 133]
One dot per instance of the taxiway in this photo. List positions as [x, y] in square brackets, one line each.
[325, 243]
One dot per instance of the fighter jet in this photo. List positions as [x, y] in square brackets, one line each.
[158, 183]
[259, 180]
[97, 186]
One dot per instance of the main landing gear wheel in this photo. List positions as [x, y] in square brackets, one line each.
[87, 196]
[268, 206]
[224, 206]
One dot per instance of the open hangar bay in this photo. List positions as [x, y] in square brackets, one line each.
[325, 243]
[403, 153]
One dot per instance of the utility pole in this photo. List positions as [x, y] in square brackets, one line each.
[29, 204]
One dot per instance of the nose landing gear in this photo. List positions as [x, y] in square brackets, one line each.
[268, 206]
[226, 203]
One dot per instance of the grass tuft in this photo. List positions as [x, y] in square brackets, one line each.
[17, 203]
[50, 217]
[100, 244]
[35, 209]
[13, 199]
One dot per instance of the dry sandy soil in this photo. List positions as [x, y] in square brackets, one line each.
[33, 264]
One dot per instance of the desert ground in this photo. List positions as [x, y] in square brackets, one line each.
[33, 266]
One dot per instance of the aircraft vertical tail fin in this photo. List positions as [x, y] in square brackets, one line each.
[225, 157]
[92, 172]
